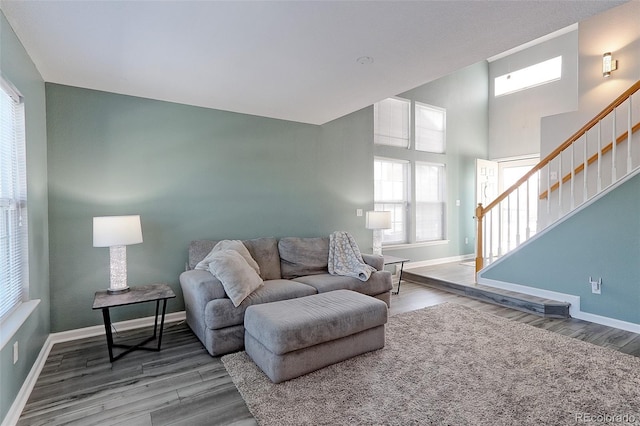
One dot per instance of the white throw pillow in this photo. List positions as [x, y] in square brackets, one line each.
[235, 245]
[237, 277]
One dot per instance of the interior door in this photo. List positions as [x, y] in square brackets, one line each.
[486, 181]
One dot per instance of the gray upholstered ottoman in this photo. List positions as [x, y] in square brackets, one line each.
[289, 338]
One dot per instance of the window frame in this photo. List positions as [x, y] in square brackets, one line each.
[379, 137]
[503, 84]
[13, 196]
[442, 199]
[401, 207]
[444, 126]
[412, 156]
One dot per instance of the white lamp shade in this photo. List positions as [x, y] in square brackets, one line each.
[111, 231]
[378, 220]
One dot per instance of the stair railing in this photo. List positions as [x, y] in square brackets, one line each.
[513, 217]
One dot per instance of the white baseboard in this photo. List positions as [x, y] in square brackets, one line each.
[25, 391]
[574, 308]
[20, 401]
[97, 330]
[439, 261]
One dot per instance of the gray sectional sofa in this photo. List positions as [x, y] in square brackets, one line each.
[290, 267]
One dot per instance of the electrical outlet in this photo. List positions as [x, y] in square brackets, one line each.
[358, 212]
[466, 240]
[553, 175]
[596, 286]
[15, 352]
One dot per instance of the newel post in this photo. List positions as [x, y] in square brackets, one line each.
[479, 244]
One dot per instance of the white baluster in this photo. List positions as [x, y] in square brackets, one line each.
[614, 173]
[599, 185]
[528, 228]
[518, 217]
[573, 177]
[548, 166]
[585, 167]
[629, 134]
[508, 223]
[560, 185]
[487, 236]
[491, 237]
[499, 206]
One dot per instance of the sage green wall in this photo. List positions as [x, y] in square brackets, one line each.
[191, 173]
[464, 94]
[17, 67]
[601, 241]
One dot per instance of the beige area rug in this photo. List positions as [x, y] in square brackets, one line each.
[451, 365]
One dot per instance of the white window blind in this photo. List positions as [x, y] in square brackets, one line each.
[430, 128]
[13, 201]
[391, 122]
[430, 202]
[390, 180]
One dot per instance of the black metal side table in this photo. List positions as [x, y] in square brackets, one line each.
[141, 294]
[391, 260]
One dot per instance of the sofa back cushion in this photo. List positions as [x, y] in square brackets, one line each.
[198, 250]
[303, 256]
[263, 250]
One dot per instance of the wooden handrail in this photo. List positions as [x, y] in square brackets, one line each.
[482, 211]
[566, 178]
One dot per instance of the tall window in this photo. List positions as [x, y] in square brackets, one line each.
[391, 122]
[13, 201]
[410, 181]
[430, 202]
[390, 194]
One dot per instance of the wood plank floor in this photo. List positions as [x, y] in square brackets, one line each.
[183, 385]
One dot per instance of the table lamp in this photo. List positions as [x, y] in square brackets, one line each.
[377, 221]
[117, 232]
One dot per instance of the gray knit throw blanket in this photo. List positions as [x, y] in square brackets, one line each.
[345, 258]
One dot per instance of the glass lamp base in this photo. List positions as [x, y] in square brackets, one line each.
[377, 242]
[118, 266]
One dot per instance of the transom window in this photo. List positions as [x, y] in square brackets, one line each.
[531, 76]
[430, 128]
[391, 122]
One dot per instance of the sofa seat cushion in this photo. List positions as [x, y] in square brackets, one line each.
[220, 313]
[303, 256]
[379, 282]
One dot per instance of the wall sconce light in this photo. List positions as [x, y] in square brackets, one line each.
[117, 232]
[608, 64]
[377, 221]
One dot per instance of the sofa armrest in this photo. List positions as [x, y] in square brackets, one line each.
[374, 260]
[198, 288]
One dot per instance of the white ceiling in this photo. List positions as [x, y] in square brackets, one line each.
[293, 60]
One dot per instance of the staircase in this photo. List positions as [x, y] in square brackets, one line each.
[603, 152]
